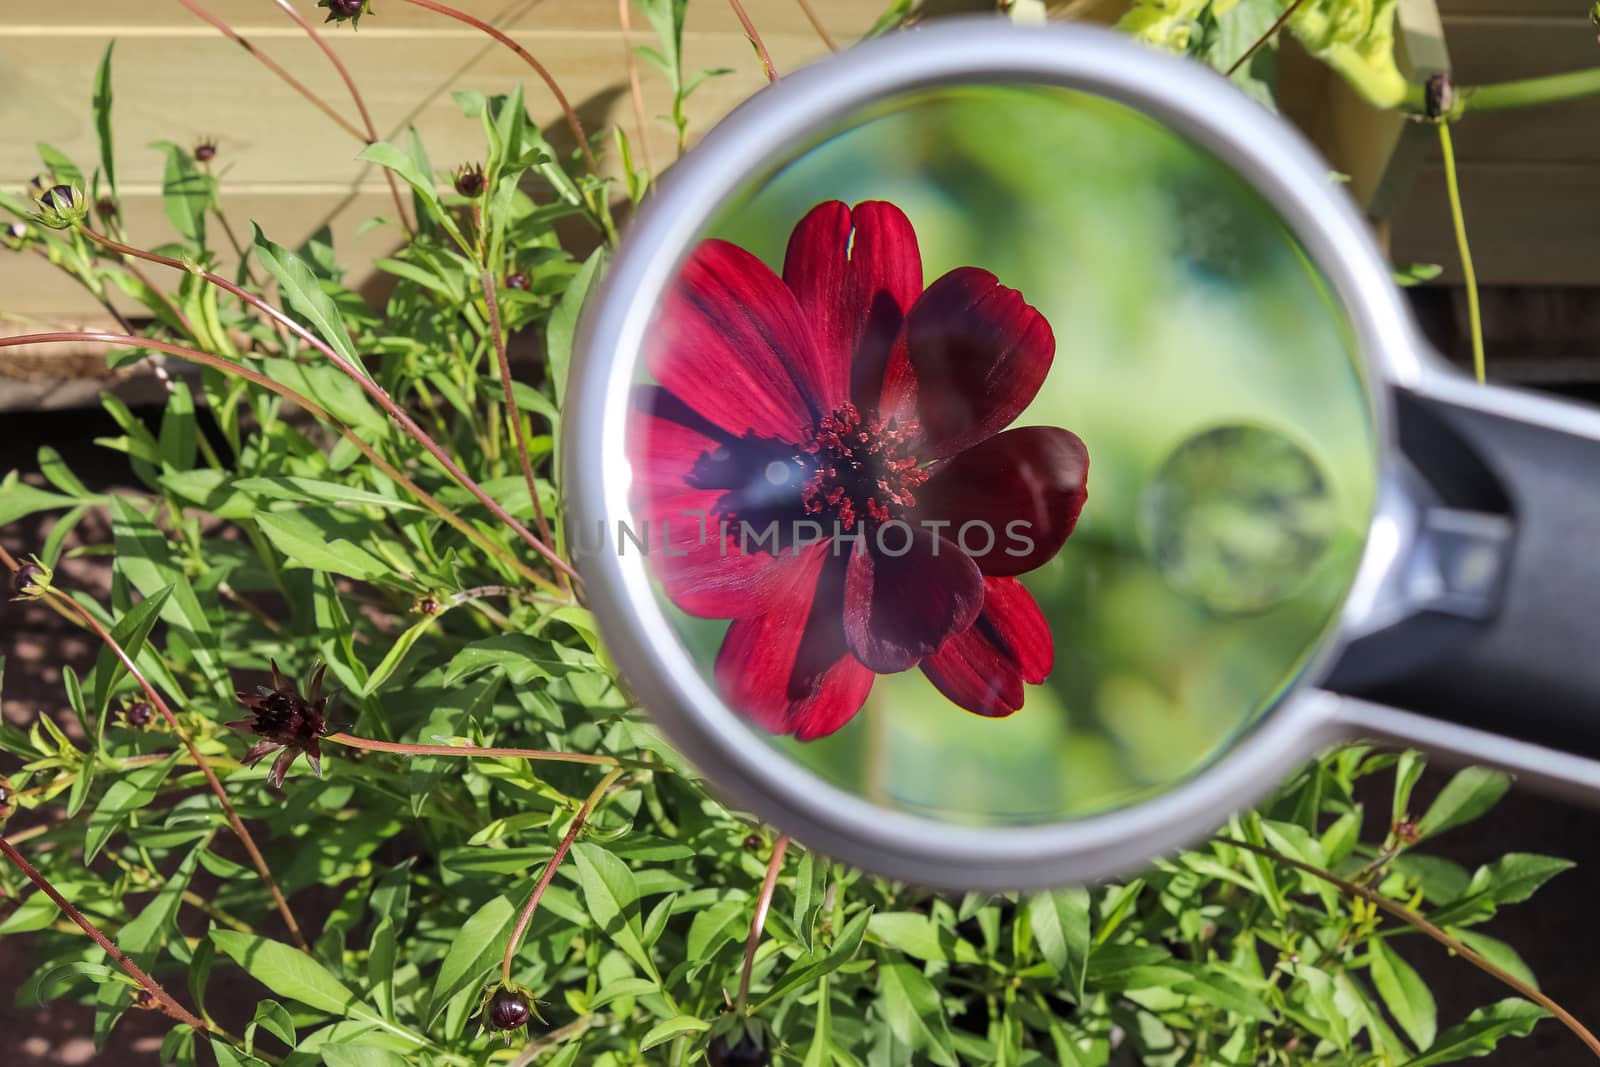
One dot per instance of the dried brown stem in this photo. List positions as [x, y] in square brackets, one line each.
[162, 998]
[271, 64]
[1411, 918]
[758, 922]
[571, 835]
[573, 122]
[1257, 44]
[370, 387]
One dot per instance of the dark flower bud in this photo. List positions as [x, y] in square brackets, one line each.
[138, 715]
[752, 842]
[508, 1010]
[143, 1000]
[61, 207]
[517, 281]
[286, 722]
[31, 580]
[1406, 832]
[430, 606]
[469, 181]
[346, 10]
[105, 208]
[205, 151]
[16, 236]
[746, 1052]
[1439, 96]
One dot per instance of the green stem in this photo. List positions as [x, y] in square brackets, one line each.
[535, 754]
[1459, 220]
[1523, 92]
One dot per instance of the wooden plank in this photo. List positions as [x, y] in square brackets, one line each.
[1510, 8]
[1484, 49]
[1529, 224]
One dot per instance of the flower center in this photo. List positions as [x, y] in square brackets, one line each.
[864, 468]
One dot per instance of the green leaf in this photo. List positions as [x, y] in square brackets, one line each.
[361, 1056]
[396, 654]
[305, 294]
[1482, 1031]
[101, 103]
[411, 170]
[275, 1019]
[18, 500]
[127, 794]
[564, 320]
[1404, 993]
[475, 948]
[177, 437]
[676, 1026]
[380, 967]
[820, 1052]
[1511, 879]
[914, 1012]
[809, 968]
[1406, 772]
[1060, 922]
[185, 193]
[611, 894]
[288, 972]
[1465, 797]
[305, 545]
[918, 936]
[714, 927]
[130, 633]
[228, 1056]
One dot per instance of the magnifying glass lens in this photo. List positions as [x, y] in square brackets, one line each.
[1000, 457]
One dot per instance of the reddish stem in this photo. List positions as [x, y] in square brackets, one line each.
[755, 39]
[316, 411]
[550, 871]
[370, 387]
[355, 94]
[573, 122]
[635, 90]
[513, 417]
[272, 65]
[758, 923]
[816, 24]
[150, 985]
[477, 751]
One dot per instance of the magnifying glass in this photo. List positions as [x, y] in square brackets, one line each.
[998, 454]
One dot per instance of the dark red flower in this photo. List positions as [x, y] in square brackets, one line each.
[285, 720]
[825, 462]
[205, 151]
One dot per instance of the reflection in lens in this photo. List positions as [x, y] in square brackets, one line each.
[1237, 517]
[893, 437]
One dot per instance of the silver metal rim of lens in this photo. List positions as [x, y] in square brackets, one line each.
[765, 131]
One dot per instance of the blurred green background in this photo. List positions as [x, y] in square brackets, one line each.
[1232, 458]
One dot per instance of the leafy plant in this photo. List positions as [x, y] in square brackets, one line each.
[521, 870]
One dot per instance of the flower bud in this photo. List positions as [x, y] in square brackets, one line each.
[746, 1052]
[346, 10]
[205, 151]
[62, 207]
[1439, 96]
[469, 181]
[508, 1010]
[138, 715]
[17, 236]
[518, 281]
[105, 209]
[31, 580]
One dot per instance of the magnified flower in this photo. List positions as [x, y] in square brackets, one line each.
[286, 721]
[825, 462]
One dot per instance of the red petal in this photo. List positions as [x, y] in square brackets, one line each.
[900, 608]
[855, 273]
[1024, 488]
[675, 518]
[979, 352]
[983, 668]
[733, 344]
[789, 670]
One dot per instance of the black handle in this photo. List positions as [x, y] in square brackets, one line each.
[1510, 639]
